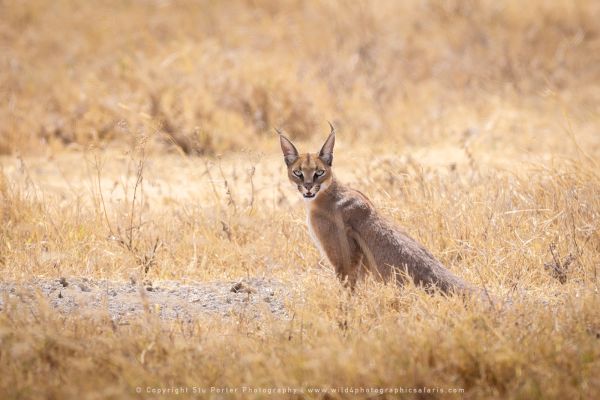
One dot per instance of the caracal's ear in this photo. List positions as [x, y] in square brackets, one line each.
[326, 153]
[290, 154]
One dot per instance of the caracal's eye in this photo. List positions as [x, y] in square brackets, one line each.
[297, 172]
[319, 172]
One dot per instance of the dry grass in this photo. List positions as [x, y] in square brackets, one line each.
[138, 143]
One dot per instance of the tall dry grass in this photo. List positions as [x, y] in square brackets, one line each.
[496, 229]
[138, 141]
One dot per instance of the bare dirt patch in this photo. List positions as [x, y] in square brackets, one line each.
[170, 300]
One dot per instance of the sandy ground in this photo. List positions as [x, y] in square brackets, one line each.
[170, 300]
[173, 180]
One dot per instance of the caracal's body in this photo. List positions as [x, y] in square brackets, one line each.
[352, 235]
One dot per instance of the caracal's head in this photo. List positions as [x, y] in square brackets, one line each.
[309, 172]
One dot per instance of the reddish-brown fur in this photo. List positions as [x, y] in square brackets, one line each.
[353, 236]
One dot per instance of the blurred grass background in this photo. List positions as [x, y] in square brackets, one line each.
[210, 76]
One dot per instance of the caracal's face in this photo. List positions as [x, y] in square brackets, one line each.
[310, 172]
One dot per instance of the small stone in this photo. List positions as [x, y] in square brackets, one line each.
[241, 287]
[60, 296]
[84, 288]
[63, 282]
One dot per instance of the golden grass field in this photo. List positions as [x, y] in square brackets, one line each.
[137, 141]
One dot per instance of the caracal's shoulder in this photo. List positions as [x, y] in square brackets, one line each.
[354, 203]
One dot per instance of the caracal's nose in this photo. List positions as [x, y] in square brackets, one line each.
[308, 185]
